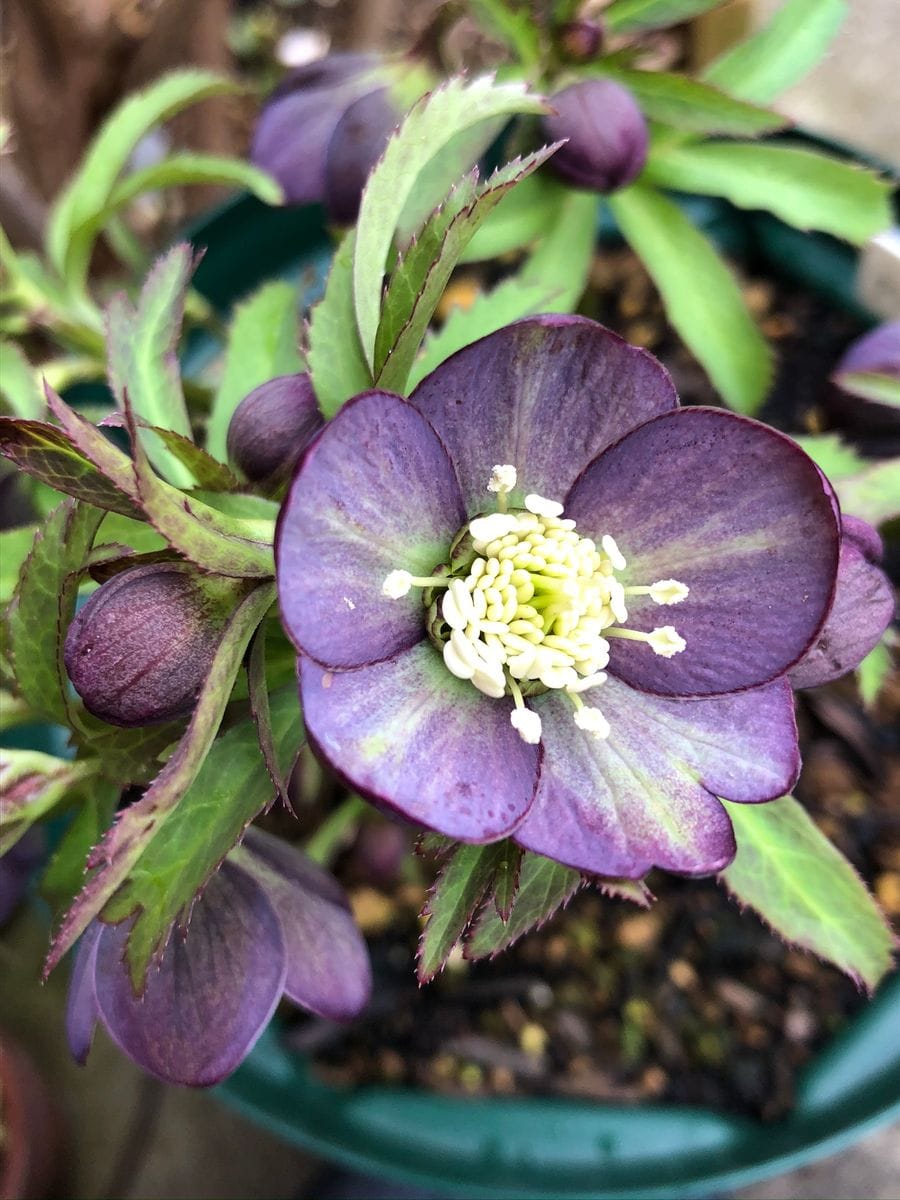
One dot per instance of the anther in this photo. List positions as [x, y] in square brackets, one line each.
[542, 507]
[592, 721]
[612, 552]
[396, 584]
[527, 724]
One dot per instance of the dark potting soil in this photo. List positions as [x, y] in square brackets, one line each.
[691, 1001]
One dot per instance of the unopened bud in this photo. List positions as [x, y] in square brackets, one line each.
[139, 650]
[272, 426]
[606, 132]
[581, 40]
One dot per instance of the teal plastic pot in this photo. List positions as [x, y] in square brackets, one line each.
[549, 1147]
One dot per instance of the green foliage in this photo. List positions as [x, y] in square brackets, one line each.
[702, 297]
[19, 385]
[691, 106]
[181, 169]
[762, 66]
[142, 360]
[875, 670]
[462, 883]
[521, 218]
[15, 546]
[337, 364]
[873, 494]
[831, 455]
[64, 874]
[633, 16]
[432, 124]
[871, 385]
[788, 871]
[544, 887]
[262, 343]
[801, 187]
[33, 784]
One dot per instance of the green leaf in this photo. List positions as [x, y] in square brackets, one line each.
[702, 298]
[19, 384]
[207, 472]
[71, 228]
[514, 26]
[32, 785]
[802, 187]
[433, 123]
[262, 716]
[43, 605]
[875, 669]
[632, 16]
[126, 756]
[461, 885]
[420, 277]
[873, 494]
[64, 874]
[505, 883]
[15, 546]
[232, 787]
[788, 871]
[831, 455]
[143, 363]
[765, 64]
[337, 365]
[262, 343]
[544, 886]
[521, 218]
[871, 385]
[183, 169]
[138, 825]
[690, 105]
[122, 531]
[561, 262]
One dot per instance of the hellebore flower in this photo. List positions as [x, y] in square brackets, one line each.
[606, 131]
[867, 374]
[530, 688]
[269, 922]
[272, 426]
[140, 648]
[324, 128]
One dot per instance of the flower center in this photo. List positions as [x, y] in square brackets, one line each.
[528, 605]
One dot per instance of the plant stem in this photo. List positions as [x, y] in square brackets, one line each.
[325, 844]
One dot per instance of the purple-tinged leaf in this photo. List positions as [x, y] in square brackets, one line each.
[206, 471]
[127, 756]
[32, 784]
[137, 825]
[544, 887]
[262, 717]
[64, 876]
[47, 453]
[634, 890]
[506, 878]
[43, 605]
[461, 885]
[108, 459]
[801, 885]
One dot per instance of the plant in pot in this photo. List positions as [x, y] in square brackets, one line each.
[545, 727]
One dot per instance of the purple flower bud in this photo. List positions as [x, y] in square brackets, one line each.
[356, 146]
[139, 650]
[272, 426]
[606, 131]
[581, 40]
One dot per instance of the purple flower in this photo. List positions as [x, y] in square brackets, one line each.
[272, 426]
[324, 128]
[606, 132]
[547, 699]
[269, 922]
[867, 374]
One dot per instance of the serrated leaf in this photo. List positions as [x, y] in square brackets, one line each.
[419, 279]
[831, 455]
[336, 362]
[70, 232]
[632, 16]
[136, 827]
[692, 106]
[32, 785]
[262, 343]
[126, 756]
[762, 66]
[43, 605]
[19, 384]
[514, 26]
[873, 494]
[702, 298]
[634, 890]
[461, 885]
[260, 711]
[871, 385]
[142, 357]
[801, 187]
[544, 887]
[204, 470]
[180, 170]
[788, 872]
[138, 536]
[522, 217]
[232, 787]
[64, 873]
[433, 122]
[505, 883]
[15, 546]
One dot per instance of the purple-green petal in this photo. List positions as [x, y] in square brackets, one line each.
[328, 969]
[214, 992]
[375, 493]
[417, 740]
[738, 513]
[546, 395]
[82, 1013]
[646, 796]
[863, 608]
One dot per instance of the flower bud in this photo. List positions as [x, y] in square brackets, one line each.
[272, 426]
[139, 650]
[356, 146]
[581, 40]
[606, 131]
[863, 375]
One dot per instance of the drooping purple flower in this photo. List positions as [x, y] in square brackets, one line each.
[272, 426]
[868, 369]
[324, 128]
[487, 674]
[269, 923]
[606, 131]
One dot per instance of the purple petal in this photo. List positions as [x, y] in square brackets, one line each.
[546, 395]
[356, 145]
[214, 993]
[739, 514]
[646, 796]
[375, 493]
[81, 1002]
[417, 740]
[328, 968]
[866, 539]
[878, 351]
[863, 608]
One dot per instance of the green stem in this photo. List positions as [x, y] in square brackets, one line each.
[325, 844]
